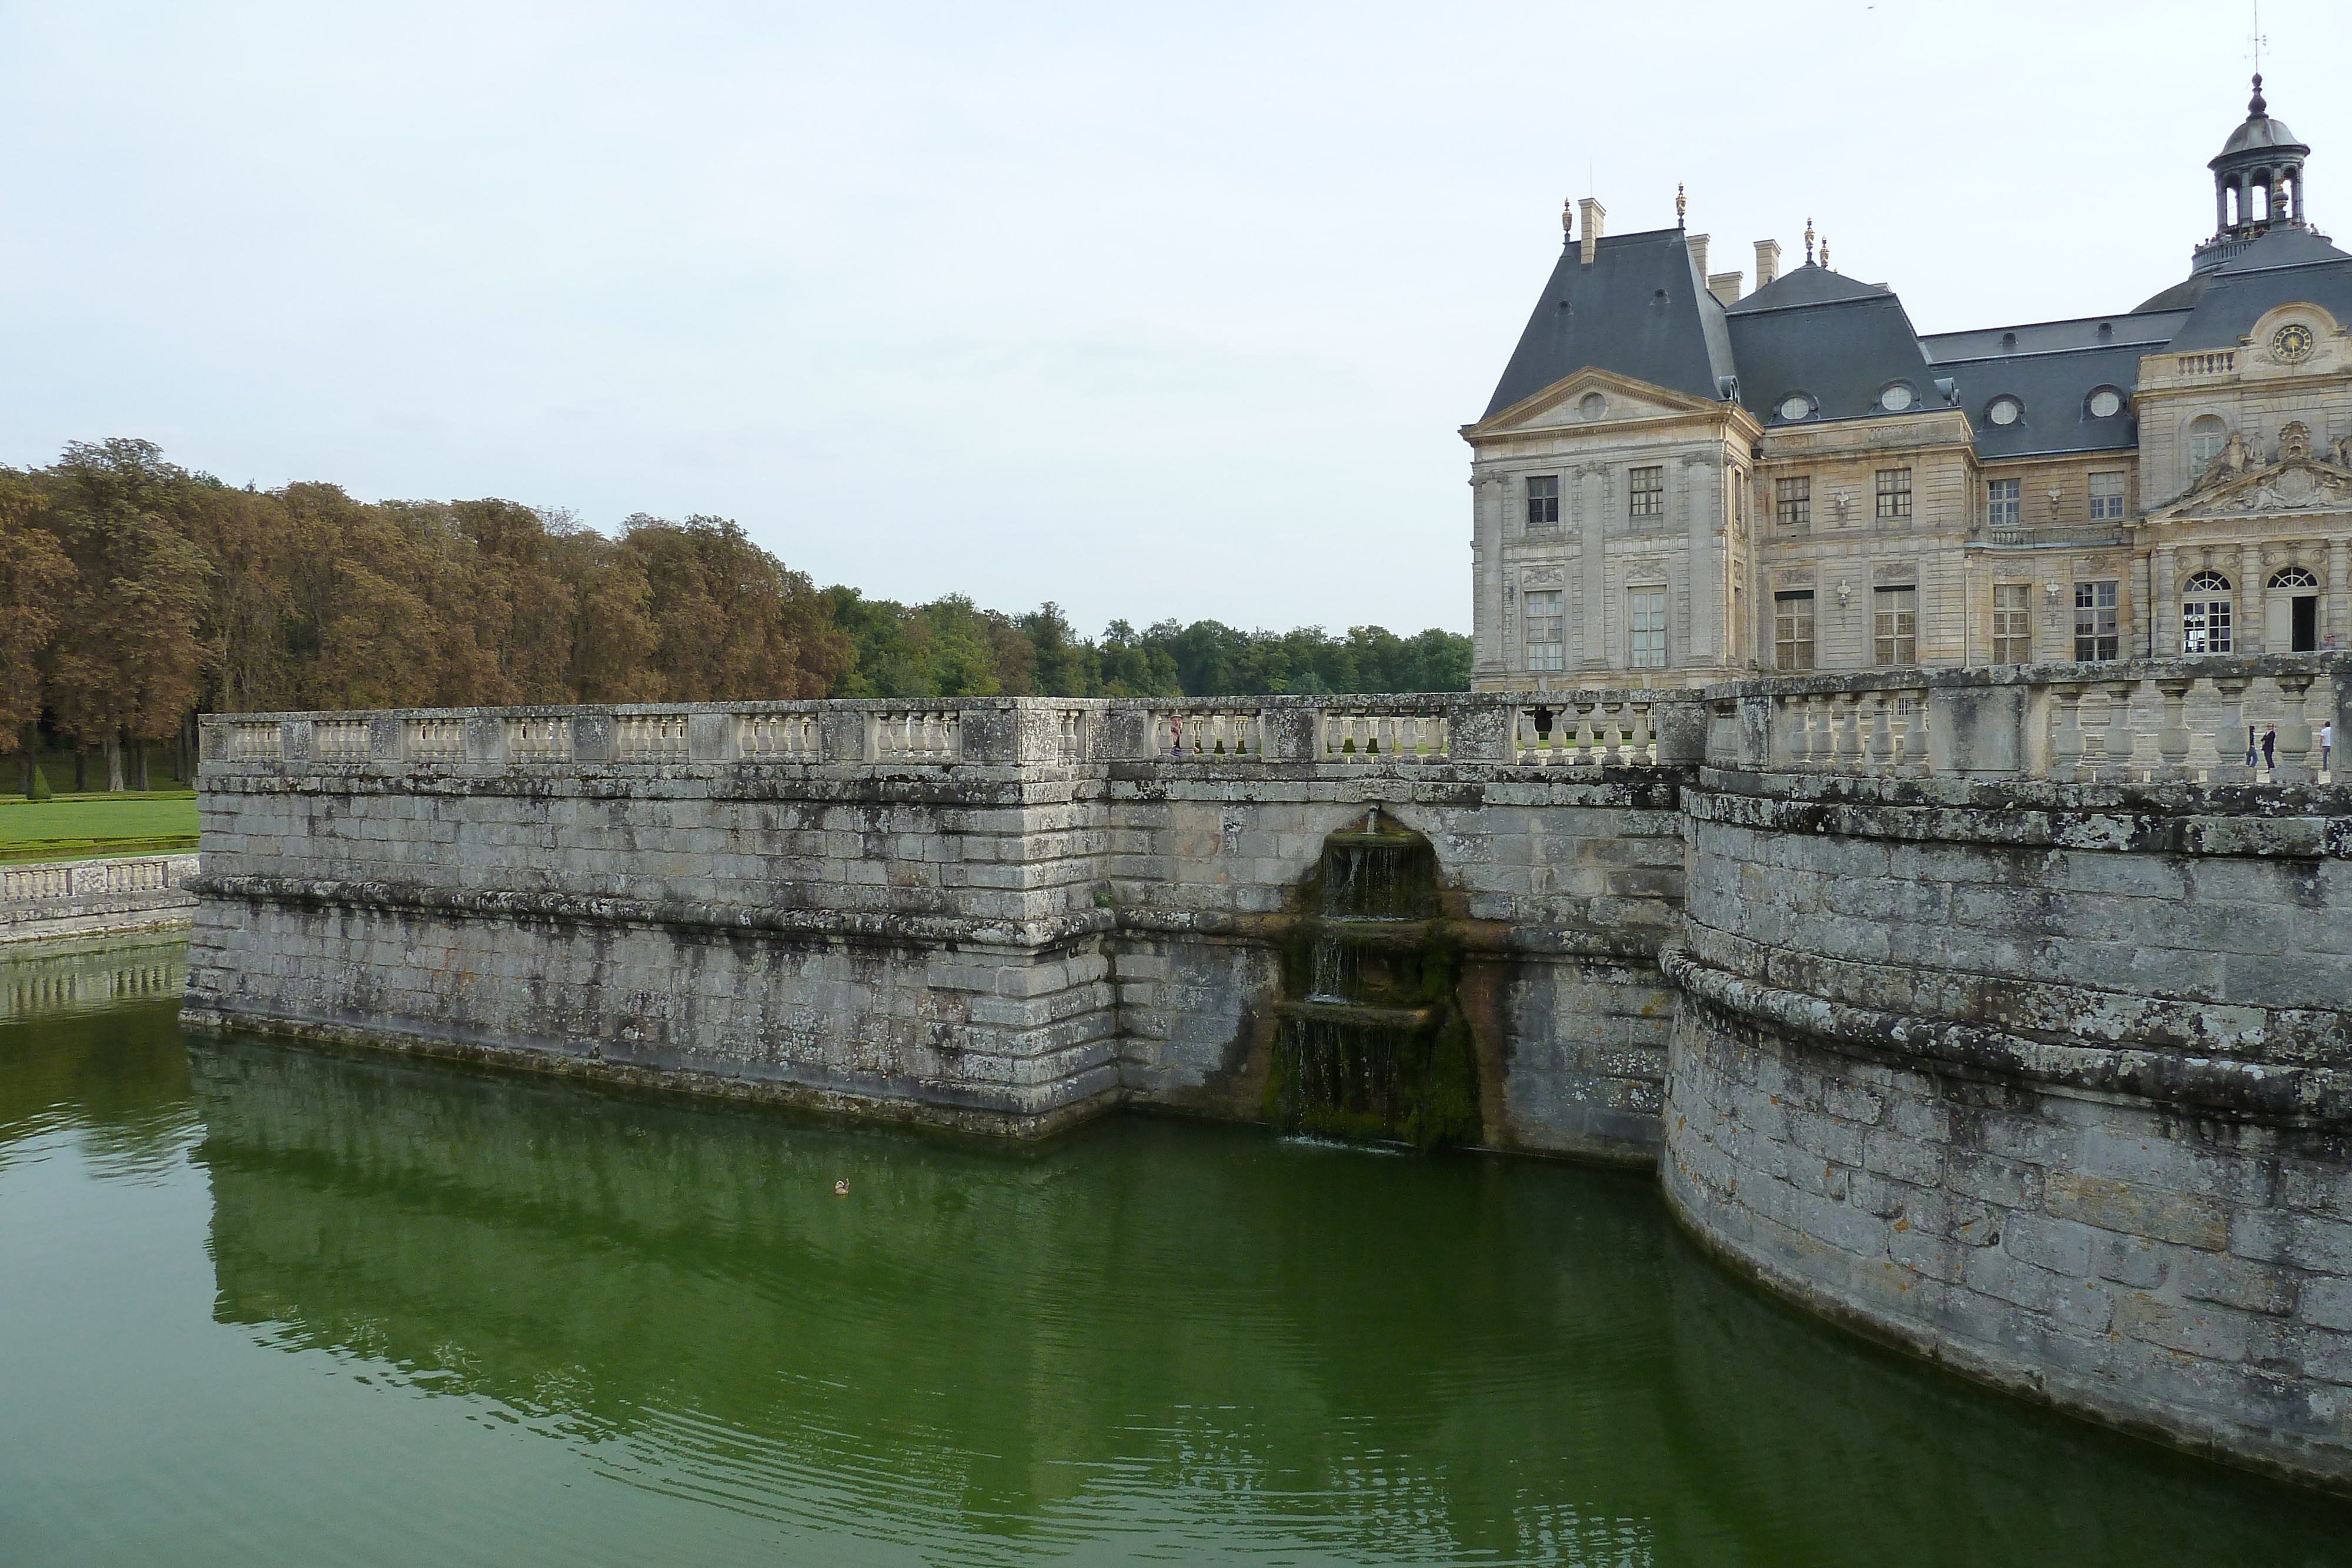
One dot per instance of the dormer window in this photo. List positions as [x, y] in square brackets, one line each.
[2004, 411]
[1898, 398]
[2105, 403]
[1796, 407]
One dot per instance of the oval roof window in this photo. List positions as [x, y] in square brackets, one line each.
[2005, 411]
[2106, 403]
[1896, 398]
[1796, 405]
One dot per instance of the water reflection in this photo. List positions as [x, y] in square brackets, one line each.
[1159, 1339]
[1156, 1333]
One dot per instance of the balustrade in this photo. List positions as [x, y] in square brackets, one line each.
[1576, 733]
[1213, 737]
[539, 741]
[778, 738]
[921, 735]
[338, 740]
[256, 742]
[83, 879]
[650, 737]
[436, 740]
[1370, 737]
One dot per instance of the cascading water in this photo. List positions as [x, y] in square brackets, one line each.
[1372, 1042]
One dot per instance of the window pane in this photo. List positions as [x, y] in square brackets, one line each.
[2097, 632]
[2002, 501]
[1546, 645]
[2012, 624]
[1896, 625]
[1792, 630]
[1792, 499]
[1648, 620]
[1648, 493]
[1543, 499]
[1895, 492]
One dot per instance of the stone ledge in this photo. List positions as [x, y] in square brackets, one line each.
[2176, 819]
[908, 930]
[2311, 1096]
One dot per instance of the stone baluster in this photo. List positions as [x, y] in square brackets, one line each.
[2294, 738]
[2172, 736]
[1819, 740]
[1880, 748]
[2229, 733]
[1640, 757]
[1796, 723]
[1845, 740]
[2067, 744]
[1911, 749]
[2121, 745]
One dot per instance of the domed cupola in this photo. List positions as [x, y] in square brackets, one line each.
[2257, 182]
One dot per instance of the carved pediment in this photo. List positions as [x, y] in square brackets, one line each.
[1590, 397]
[2292, 484]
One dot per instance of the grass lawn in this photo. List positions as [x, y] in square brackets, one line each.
[81, 827]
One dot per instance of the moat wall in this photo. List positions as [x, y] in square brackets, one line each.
[1982, 1010]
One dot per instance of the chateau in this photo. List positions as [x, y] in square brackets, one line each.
[1677, 483]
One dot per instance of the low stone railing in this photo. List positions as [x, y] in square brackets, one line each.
[1626, 728]
[66, 898]
[2128, 721]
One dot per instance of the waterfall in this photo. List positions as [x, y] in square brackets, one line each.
[1371, 1042]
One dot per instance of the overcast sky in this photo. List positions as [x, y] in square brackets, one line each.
[1164, 311]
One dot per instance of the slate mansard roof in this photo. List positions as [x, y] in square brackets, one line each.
[1641, 310]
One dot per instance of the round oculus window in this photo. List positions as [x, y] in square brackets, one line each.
[2106, 403]
[2292, 343]
[1894, 399]
[2005, 411]
[1796, 407]
[1591, 406]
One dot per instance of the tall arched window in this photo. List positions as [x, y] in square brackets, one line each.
[2207, 436]
[2205, 614]
[2293, 576]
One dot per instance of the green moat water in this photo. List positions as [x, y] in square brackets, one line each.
[265, 1305]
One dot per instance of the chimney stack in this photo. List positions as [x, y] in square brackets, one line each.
[1725, 287]
[1698, 244]
[1592, 213]
[1768, 261]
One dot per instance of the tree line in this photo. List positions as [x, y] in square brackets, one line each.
[135, 594]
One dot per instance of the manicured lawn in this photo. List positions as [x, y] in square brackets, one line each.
[79, 827]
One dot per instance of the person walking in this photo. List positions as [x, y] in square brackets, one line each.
[2270, 745]
[2326, 744]
[2253, 755]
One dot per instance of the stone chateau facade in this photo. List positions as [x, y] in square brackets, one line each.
[1677, 483]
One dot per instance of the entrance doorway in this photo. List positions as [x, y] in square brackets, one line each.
[2306, 624]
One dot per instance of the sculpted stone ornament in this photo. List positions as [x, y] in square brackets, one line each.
[2233, 459]
[2294, 442]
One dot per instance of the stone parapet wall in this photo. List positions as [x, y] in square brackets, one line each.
[44, 899]
[2048, 1082]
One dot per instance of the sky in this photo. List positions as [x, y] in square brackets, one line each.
[1169, 311]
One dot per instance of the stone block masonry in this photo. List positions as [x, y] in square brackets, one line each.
[1999, 1014]
[57, 899]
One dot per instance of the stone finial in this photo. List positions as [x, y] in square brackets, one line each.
[1809, 241]
[1825, 254]
[1567, 220]
[1682, 204]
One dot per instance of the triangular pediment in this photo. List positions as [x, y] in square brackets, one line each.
[1565, 404]
[2293, 485]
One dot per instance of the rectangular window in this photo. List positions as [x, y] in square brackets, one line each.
[1647, 493]
[1792, 501]
[1896, 625]
[1543, 500]
[2095, 633]
[2205, 625]
[2004, 502]
[1792, 630]
[2012, 624]
[1546, 640]
[1648, 619]
[1895, 492]
[2106, 497]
